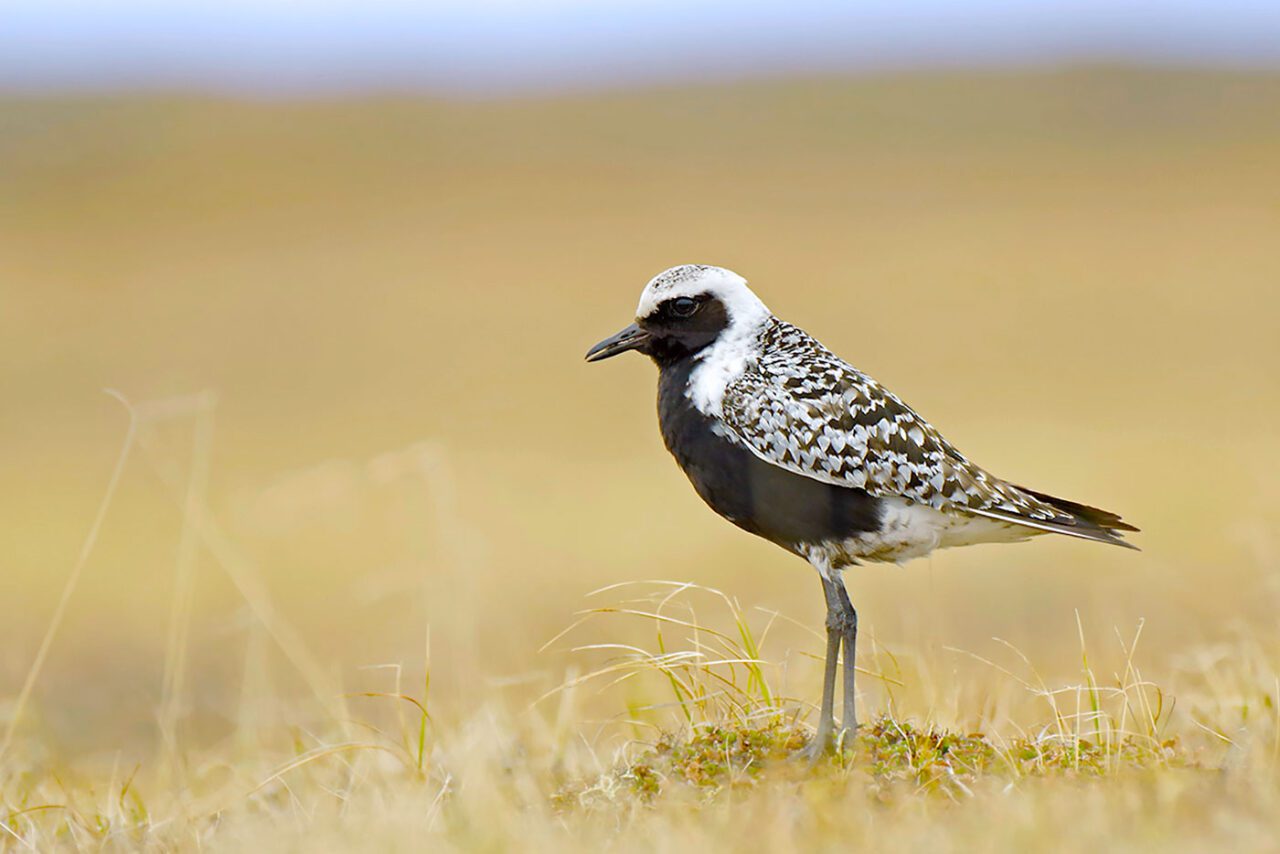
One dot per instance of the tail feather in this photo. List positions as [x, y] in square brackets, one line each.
[1104, 519]
[1079, 520]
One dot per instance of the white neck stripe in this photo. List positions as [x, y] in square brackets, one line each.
[736, 346]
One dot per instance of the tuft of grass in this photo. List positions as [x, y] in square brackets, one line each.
[887, 758]
[718, 675]
[733, 729]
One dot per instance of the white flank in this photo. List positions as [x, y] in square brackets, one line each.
[910, 530]
[913, 530]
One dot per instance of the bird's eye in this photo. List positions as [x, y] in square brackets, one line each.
[684, 306]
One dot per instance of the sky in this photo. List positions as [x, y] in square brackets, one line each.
[519, 45]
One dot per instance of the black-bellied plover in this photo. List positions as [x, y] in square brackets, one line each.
[786, 440]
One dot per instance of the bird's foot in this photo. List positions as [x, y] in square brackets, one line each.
[813, 751]
[834, 743]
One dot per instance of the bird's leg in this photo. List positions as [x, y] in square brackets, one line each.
[849, 631]
[826, 717]
[839, 611]
[842, 625]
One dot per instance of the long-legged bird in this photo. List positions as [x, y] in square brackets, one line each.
[789, 442]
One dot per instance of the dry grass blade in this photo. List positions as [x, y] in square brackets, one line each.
[317, 754]
[73, 580]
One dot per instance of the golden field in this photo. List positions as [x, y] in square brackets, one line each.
[351, 334]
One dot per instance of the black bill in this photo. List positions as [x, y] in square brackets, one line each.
[631, 338]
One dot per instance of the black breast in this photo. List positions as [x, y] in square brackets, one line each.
[771, 502]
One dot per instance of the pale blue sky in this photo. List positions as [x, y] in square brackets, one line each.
[512, 45]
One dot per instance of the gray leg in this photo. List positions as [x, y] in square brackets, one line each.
[842, 627]
[850, 718]
[826, 717]
[842, 621]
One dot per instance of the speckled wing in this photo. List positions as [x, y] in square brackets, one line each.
[803, 408]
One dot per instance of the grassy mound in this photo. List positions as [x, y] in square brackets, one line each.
[887, 757]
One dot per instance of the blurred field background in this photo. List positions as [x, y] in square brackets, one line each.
[381, 306]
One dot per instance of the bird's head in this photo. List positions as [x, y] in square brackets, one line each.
[683, 311]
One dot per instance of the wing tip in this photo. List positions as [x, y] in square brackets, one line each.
[1090, 515]
[1094, 533]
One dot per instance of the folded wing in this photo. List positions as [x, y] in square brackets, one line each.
[804, 409]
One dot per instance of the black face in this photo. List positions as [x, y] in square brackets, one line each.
[682, 326]
[675, 330]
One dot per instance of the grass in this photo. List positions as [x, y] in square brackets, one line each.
[888, 758]
[739, 732]
[705, 751]
[718, 767]
[724, 741]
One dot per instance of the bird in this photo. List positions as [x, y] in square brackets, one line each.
[789, 442]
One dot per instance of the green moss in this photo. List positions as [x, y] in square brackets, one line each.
[716, 755]
[644, 781]
[887, 756]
